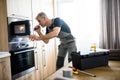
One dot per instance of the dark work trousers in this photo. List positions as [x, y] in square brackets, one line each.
[63, 49]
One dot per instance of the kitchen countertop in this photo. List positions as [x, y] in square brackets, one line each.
[58, 75]
[110, 72]
[4, 54]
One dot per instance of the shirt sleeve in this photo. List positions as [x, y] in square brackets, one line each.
[57, 22]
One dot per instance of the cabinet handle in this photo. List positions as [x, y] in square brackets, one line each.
[44, 58]
[36, 55]
[19, 16]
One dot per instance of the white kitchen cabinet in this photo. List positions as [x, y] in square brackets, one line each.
[49, 58]
[38, 60]
[19, 8]
[45, 59]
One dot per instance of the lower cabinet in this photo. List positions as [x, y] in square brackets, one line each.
[49, 58]
[46, 59]
[5, 72]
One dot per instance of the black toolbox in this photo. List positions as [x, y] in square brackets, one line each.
[91, 60]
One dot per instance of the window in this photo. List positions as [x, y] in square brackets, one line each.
[83, 17]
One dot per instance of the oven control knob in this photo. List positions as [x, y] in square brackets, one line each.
[18, 46]
[27, 45]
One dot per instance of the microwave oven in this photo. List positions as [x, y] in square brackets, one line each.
[20, 28]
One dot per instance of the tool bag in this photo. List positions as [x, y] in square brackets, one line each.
[90, 60]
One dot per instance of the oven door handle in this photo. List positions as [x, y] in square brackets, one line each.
[23, 51]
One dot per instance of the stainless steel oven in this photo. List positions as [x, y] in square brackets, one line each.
[22, 60]
[22, 56]
[20, 47]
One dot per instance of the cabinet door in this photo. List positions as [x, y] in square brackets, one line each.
[5, 72]
[38, 60]
[19, 8]
[49, 58]
[45, 59]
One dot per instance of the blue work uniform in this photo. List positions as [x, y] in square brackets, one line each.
[66, 38]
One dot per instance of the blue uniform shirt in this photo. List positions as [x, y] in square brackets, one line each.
[65, 32]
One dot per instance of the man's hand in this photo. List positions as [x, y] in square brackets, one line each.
[34, 37]
[37, 28]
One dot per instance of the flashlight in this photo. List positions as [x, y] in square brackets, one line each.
[36, 28]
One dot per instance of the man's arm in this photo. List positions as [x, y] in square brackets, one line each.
[38, 30]
[46, 37]
[52, 34]
[44, 40]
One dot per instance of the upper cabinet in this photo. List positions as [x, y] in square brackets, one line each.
[19, 8]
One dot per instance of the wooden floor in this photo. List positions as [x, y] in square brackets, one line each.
[110, 72]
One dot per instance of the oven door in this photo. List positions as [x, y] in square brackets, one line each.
[22, 62]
